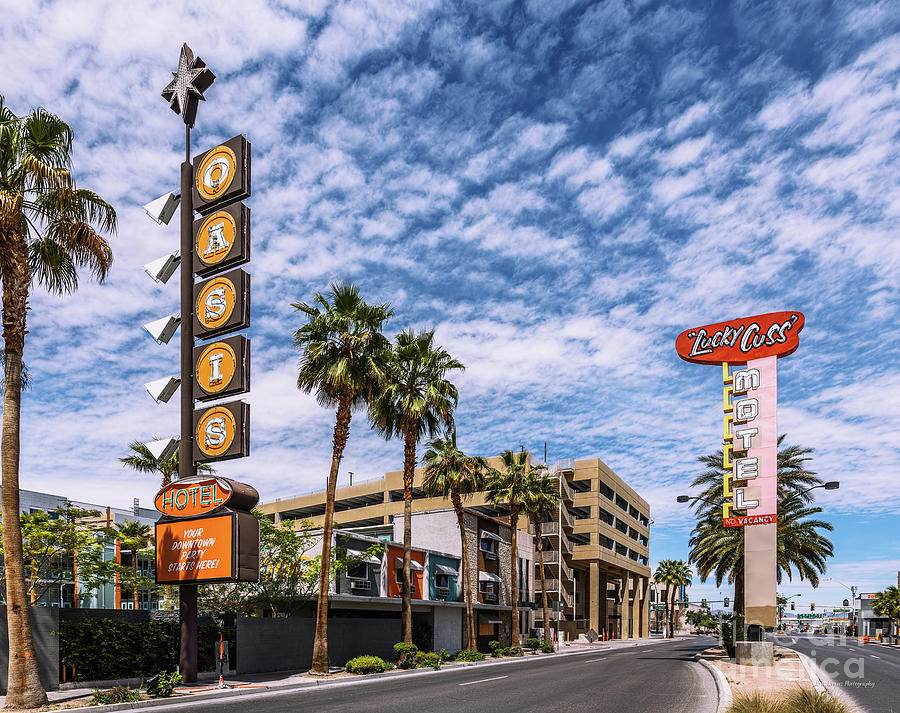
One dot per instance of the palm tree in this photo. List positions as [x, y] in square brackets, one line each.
[508, 488]
[541, 497]
[719, 550]
[417, 399]
[674, 574]
[343, 361]
[48, 229]
[450, 473]
[887, 603]
[134, 536]
[143, 461]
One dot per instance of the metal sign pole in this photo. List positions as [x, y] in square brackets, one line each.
[187, 657]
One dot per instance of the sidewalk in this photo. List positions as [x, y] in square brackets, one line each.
[76, 699]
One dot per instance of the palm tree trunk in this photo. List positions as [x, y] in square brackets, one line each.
[471, 640]
[538, 532]
[668, 615]
[409, 468]
[513, 579]
[739, 592]
[24, 688]
[320, 645]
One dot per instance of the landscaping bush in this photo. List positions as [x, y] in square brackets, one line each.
[162, 685]
[534, 644]
[406, 654]
[110, 648]
[547, 648]
[803, 700]
[366, 664]
[117, 694]
[494, 646]
[513, 651]
[428, 658]
[469, 655]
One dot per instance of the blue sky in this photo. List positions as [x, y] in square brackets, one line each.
[559, 188]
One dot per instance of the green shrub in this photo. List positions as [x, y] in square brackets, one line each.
[805, 700]
[469, 655]
[406, 654]
[494, 646]
[534, 644]
[754, 703]
[162, 685]
[117, 694]
[428, 658]
[513, 651]
[366, 664]
[110, 648]
[547, 648]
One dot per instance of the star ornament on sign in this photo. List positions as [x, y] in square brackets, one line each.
[187, 85]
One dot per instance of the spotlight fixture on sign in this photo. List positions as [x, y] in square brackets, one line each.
[162, 389]
[162, 268]
[162, 449]
[163, 208]
[164, 328]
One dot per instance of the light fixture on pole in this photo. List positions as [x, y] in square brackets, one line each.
[163, 268]
[163, 329]
[162, 449]
[162, 389]
[163, 208]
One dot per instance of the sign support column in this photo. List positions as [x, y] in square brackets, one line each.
[187, 614]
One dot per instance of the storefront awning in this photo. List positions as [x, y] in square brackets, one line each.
[485, 535]
[444, 569]
[488, 577]
[398, 563]
[368, 559]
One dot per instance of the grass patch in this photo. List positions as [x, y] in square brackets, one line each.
[803, 700]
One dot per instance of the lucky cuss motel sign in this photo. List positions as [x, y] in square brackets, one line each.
[207, 532]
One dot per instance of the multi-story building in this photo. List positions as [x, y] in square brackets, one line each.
[596, 546]
[69, 592]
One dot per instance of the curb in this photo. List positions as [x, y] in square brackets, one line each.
[723, 688]
[820, 680]
[188, 700]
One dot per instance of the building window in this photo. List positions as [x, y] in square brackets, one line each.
[621, 549]
[488, 544]
[622, 503]
[398, 578]
[606, 491]
[488, 591]
[361, 571]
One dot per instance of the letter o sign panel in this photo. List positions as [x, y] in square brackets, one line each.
[222, 175]
[222, 432]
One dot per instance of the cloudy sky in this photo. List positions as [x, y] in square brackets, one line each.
[559, 188]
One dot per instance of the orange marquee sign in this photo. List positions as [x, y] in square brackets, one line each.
[193, 496]
[195, 550]
[738, 341]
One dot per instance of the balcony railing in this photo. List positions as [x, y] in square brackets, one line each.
[547, 528]
[566, 490]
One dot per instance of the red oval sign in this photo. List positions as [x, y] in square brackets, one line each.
[739, 340]
[190, 497]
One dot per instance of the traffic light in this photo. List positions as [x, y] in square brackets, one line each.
[703, 602]
[812, 607]
[793, 606]
[726, 601]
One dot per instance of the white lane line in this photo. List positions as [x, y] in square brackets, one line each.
[600, 658]
[875, 657]
[483, 680]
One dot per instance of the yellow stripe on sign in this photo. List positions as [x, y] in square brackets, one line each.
[726, 510]
[727, 406]
[727, 436]
[726, 484]
[727, 378]
[727, 450]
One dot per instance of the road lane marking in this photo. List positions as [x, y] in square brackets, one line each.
[483, 680]
[599, 658]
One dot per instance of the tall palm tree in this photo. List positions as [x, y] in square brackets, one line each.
[134, 536]
[416, 401]
[508, 488]
[343, 361]
[887, 603]
[719, 551]
[674, 574]
[721, 548]
[48, 229]
[143, 461]
[450, 473]
[541, 497]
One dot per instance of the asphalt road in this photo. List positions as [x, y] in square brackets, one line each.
[867, 673]
[657, 678]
